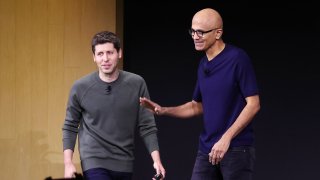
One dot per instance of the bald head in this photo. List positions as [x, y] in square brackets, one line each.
[209, 18]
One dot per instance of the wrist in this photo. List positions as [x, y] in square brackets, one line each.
[66, 162]
[156, 156]
[164, 110]
[227, 137]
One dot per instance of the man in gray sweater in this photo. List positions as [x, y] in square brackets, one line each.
[103, 110]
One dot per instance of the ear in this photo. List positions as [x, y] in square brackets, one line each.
[94, 59]
[120, 53]
[219, 33]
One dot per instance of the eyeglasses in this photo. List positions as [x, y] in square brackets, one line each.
[200, 33]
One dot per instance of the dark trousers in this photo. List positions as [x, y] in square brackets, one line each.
[104, 174]
[237, 164]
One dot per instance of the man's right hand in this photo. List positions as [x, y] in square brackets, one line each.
[69, 170]
[152, 106]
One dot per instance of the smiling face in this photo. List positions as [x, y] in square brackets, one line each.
[107, 58]
[209, 23]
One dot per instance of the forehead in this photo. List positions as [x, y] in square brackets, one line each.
[104, 47]
[205, 19]
[198, 23]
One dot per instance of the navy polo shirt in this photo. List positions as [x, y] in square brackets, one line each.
[222, 86]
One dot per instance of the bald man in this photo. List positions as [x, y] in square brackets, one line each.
[226, 93]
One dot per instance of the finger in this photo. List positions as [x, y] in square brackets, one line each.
[210, 157]
[163, 172]
[217, 159]
[221, 155]
[163, 175]
[146, 100]
[214, 159]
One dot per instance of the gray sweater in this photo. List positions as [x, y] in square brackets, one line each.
[105, 117]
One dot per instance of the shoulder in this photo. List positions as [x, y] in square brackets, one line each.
[236, 50]
[133, 81]
[85, 81]
[131, 77]
[237, 54]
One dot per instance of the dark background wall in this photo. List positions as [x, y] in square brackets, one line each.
[283, 42]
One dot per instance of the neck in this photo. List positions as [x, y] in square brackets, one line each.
[215, 49]
[110, 77]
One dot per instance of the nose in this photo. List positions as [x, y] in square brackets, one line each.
[105, 57]
[195, 36]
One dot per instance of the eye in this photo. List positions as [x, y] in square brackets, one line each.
[110, 52]
[199, 32]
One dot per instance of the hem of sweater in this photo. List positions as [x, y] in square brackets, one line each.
[110, 164]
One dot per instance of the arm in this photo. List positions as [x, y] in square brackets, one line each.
[155, 155]
[70, 131]
[69, 167]
[244, 118]
[148, 132]
[186, 110]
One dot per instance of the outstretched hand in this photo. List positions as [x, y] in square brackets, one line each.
[152, 106]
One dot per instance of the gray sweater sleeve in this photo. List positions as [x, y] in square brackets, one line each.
[72, 120]
[146, 124]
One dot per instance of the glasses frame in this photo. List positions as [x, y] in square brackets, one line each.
[200, 33]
